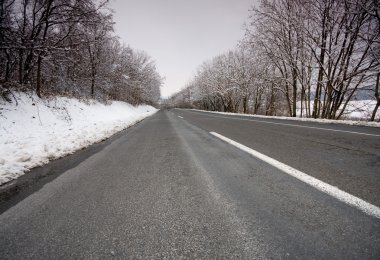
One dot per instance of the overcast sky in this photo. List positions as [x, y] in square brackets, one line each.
[180, 34]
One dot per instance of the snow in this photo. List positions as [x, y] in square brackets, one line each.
[361, 109]
[356, 110]
[38, 130]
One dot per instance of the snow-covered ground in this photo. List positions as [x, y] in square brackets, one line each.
[355, 110]
[37, 130]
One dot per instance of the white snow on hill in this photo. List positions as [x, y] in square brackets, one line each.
[37, 130]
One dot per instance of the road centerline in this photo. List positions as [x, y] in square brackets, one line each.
[333, 191]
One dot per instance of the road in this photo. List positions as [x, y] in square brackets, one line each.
[167, 188]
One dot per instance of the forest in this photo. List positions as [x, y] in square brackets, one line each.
[69, 48]
[306, 58]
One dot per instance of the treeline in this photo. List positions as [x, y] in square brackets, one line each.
[59, 47]
[306, 58]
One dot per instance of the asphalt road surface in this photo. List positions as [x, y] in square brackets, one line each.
[167, 189]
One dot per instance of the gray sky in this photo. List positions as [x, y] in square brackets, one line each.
[180, 34]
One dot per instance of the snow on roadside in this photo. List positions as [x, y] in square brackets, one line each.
[37, 130]
[356, 110]
[325, 121]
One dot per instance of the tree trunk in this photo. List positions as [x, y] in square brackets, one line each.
[245, 105]
[7, 67]
[294, 109]
[38, 86]
[318, 91]
[39, 60]
[377, 95]
[20, 66]
[302, 97]
[93, 82]
[288, 98]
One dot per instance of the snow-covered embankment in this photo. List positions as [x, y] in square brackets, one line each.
[36, 130]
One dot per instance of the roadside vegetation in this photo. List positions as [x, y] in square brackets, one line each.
[298, 58]
[68, 48]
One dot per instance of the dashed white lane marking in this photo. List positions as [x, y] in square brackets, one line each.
[285, 124]
[180, 116]
[343, 196]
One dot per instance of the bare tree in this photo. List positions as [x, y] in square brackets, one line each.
[69, 48]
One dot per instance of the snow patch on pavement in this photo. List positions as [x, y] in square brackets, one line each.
[38, 130]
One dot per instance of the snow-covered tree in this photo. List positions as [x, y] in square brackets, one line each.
[68, 47]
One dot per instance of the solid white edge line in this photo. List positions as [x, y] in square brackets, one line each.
[285, 124]
[333, 191]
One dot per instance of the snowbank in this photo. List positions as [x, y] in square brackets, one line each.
[36, 130]
[325, 121]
